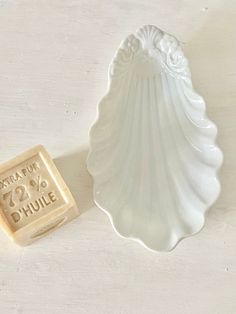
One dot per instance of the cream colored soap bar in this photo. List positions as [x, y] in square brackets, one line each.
[34, 199]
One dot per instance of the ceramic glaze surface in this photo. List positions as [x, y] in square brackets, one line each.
[153, 155]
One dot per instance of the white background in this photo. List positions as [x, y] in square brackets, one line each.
[54, 57]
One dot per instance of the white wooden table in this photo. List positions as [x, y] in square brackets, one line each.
[54, 57]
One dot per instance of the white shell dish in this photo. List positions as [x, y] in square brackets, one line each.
[153, 155]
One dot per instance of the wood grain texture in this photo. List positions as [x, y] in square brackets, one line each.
[54, 58]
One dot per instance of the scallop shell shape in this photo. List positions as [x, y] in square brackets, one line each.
[153, 155]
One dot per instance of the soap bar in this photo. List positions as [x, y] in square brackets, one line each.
[34, 199]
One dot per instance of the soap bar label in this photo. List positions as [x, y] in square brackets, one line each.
[28, 191]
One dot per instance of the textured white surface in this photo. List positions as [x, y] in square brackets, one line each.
[53, 70]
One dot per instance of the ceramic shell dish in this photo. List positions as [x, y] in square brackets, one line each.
[153, 155]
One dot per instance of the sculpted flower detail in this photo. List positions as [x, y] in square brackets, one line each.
[125, 55]
[174, 60]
